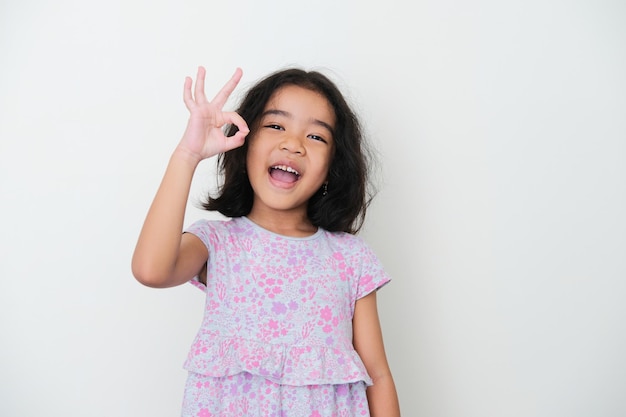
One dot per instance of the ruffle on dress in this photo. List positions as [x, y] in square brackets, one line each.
[280, 363]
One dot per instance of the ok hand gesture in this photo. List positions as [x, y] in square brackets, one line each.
[204, 136]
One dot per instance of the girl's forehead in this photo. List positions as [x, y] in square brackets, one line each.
[294, 98]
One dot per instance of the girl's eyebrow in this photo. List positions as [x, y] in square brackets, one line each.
[290, 116]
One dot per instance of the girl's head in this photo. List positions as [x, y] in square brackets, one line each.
[338, 206]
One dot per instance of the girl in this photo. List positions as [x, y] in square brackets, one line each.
[291, 326]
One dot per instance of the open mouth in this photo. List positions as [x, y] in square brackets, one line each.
[284, 173]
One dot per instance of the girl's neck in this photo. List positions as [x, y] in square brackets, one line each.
[283, 223]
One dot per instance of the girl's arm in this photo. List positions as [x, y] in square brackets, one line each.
[164, 257]
[368, 342]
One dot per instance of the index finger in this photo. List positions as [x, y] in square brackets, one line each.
[222, 96]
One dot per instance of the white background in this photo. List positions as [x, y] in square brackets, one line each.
[501, 128]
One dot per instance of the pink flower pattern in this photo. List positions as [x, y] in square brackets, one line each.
[276, 339]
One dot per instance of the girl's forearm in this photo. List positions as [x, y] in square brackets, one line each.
[382, 398]
[157, 249]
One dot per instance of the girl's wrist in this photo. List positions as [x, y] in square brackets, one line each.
[186, 156]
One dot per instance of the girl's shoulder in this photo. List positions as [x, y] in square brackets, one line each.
[351, 247]
[213, 231]
[218, 226]
[346, 239]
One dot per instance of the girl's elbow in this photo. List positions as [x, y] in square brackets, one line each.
[146, 274]
[381, 375]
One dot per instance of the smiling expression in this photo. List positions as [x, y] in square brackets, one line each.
[290, 152]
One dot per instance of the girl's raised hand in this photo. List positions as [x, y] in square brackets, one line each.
[204, 136]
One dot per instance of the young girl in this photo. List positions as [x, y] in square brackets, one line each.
[291, 326]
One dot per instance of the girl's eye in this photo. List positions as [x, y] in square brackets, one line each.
[274, 126]
[315, 137]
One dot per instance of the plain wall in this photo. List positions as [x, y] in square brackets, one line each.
[501, 129]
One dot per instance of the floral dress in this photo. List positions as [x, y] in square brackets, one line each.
[276, 338]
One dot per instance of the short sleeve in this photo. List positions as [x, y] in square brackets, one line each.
[373, 276]
[202, 230]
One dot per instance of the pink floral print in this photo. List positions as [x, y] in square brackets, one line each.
[276, 339]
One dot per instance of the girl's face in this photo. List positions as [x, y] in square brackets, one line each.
[289, 154]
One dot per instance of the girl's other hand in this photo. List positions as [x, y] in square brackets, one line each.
[204, 136]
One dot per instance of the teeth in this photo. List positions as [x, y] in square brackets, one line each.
[286, 169]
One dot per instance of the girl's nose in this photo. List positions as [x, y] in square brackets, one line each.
[292, 144]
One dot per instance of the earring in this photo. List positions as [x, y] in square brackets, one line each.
[325, 189]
